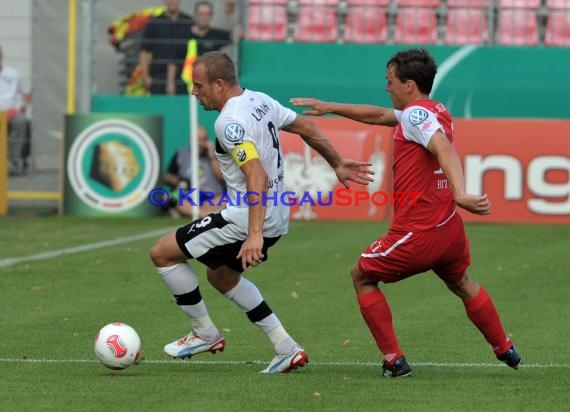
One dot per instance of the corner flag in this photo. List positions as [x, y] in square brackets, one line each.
[186, 75]
[191, 55]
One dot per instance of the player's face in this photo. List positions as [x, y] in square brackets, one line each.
[207, 93]
[397, 90]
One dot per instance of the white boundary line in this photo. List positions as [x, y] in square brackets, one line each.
[82, 248]
[259, 362]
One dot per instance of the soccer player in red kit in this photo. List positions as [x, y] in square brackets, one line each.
[427, 235]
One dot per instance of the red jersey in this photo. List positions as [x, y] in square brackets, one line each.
[425, 198]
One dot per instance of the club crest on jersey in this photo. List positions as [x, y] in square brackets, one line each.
[417, 116]
[234, 132]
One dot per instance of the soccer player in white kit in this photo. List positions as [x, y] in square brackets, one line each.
[251, 159]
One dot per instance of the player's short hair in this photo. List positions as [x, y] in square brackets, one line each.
[417, 65]
[218, 65]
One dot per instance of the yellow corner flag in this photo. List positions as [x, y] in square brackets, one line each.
[191, 55]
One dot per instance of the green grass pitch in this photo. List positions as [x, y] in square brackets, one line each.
[51, 309]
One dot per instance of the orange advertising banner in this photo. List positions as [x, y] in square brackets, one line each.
[317, 192]
[522, 165]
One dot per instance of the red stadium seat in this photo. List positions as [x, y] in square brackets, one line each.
[466, 26]
[333, 3]
[558, 28]
[468, 4]
[519, 4]
[266, 23]
[416, 26]
[281, 2]
[558, 4]
[374, 3]
[417, 3]
[517, 27]
[316, 24]
[366, 25]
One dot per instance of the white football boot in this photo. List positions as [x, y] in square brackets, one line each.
[192, 344]
[285, 363]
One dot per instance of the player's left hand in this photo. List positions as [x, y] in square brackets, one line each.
[479, 205]
[357, 172]
[250, 252]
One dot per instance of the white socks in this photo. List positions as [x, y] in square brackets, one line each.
[247, 296]
[183, 282]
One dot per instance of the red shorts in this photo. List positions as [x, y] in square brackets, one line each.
[396, 256]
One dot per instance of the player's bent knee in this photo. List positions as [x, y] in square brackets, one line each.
[162, 256]
[465, 289]
[358, 279]
[156, 255]
[355, 273]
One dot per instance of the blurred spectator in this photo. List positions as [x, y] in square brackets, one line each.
[15, 96]
[178, 176]
[125, 35]
[207, 37]
[163, 35]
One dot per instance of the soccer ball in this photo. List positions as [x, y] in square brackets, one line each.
[118, 346]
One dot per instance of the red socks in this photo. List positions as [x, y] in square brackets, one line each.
[378, 317]
[481, 311]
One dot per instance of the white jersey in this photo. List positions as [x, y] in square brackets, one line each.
[256, 118]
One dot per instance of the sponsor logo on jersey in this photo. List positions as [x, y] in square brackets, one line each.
[426, 126]
[234, 132]
[417, 116]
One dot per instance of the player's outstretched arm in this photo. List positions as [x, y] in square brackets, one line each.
[449, 162]
[345, 169]
[360, 112]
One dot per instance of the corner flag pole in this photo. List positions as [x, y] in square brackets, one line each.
[191, 55]
[195, 179]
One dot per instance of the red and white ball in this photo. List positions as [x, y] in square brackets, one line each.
[118, 346]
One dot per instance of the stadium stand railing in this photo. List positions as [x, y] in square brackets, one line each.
[452, 22]
[422, 22]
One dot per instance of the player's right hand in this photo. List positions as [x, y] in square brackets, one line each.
[250, 252]
[479, 205]
[318, 107]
